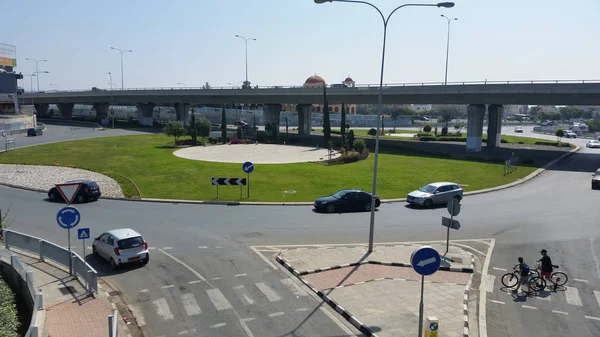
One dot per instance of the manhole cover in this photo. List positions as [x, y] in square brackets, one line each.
[67, 290]
[289, 191]
[114, 293]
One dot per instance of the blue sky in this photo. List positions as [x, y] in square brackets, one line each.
[194, 41]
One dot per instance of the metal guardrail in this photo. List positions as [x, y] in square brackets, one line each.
[35, 294]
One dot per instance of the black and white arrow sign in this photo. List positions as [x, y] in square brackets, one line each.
[229, 181]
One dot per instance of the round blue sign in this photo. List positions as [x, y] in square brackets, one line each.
[68, 217]
[248, 167]
[433, 327]
[425, 260]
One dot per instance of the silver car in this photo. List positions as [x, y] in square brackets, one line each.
[435, 193]
[121, 246]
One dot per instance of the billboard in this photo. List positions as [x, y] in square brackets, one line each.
[8, 55]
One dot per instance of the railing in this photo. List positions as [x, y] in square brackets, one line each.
[484, 82]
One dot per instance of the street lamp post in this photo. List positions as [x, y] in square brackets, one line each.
[110, 82]
[31, 81]
[182, 84]
[447, 46]
[122, 51]
[380, 99]
[54, 85]
[246, 83]
[37, 70]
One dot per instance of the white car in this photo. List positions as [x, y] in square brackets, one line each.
[519, 129]
[593, 143]
[121, 246]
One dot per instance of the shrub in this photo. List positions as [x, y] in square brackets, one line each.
[347, 126]
[553, 144]
[427, 128]
[427, 139]
[336, 132]
[372, 132]
[521, 142]
[359, 145]
[390, 131]
[349, 157]
[203, 127]
[9, 321]
[452, 139]
[560, 133]
[503, 141]
[269, 127]
[425, 134]
[248, 141]
[350, 140]
[445, 131]
[174, 129]
[235, 141]
[213, 140]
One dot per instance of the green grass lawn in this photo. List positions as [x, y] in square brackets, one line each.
[148, 161]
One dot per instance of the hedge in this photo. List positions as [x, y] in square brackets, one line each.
[553, 144]
[9, 321]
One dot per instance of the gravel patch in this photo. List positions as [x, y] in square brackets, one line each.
[40, 177]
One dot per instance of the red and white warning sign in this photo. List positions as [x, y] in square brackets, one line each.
[68, 191]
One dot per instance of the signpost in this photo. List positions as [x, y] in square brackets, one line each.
[453, 207]
[68, 217]
[229, 182]
[248, 167]
[82, 234]
[425, 261]
[431, 327]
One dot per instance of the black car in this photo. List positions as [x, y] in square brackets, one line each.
[346, 200]
[89, 191]
[35, 132]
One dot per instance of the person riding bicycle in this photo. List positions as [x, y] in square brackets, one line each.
[524, 273]
[546, 267]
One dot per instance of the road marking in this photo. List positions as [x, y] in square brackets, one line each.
[275, 314]
[294, 287]
[194, 282]
[137, 313]
[580, 280]
[239, 275]
[271, 264]
[151, 248]
[218, 325]
[218, 299]
[269, 293]
[217, 278]
[190, 305]
[487, 283]
[500, 269]
[483, 293]
[202, 247]
[245, 326]
[183, 332]
[545, 298]
[597, 295]
[169, 286]
[560, 312]
[497, 302]
[344, 328]
[573, 296]
[162, 309]
[595, 257]
[247, 319]
[528, 307]
[143, 291]
[185, 265]
[218, 247]
[243, 295]
[168, 248]
[302, 309]
[593, 318]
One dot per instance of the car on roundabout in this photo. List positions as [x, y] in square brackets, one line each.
[89, 191]
[435, 194]
[519, 129]
[593, 143]
[346, 200]
[596, 180]
[121, 246]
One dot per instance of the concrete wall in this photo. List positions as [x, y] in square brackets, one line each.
[18, 286]
[9, 123]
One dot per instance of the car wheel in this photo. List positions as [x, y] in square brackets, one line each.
[80, 199]
[94, 250]
[52, 195]
[368, 206]
[330, 208]
[457, 198]
[113, 265]
[428, 203]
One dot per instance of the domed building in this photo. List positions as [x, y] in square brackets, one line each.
[316, 81]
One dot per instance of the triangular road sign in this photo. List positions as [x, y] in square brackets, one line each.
[68, 191]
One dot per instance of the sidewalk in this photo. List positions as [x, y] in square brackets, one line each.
[379, 293]
[69, 311]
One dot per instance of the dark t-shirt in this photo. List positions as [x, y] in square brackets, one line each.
[546, 263]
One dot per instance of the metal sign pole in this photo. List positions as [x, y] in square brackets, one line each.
[421, 308]
[241, 191]
[84, 249]
[248, 185]
[217, 191]
[69, 240]
[448, 234]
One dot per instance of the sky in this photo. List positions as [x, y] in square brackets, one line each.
[193, 41]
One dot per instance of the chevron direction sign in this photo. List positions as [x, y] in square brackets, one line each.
[229, 181]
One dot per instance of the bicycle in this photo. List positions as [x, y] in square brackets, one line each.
[510, 280]
[557, 277]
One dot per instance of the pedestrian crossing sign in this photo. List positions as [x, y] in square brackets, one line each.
[83, 233]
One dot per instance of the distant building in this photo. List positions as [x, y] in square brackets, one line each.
[316, 81]
[421, 107]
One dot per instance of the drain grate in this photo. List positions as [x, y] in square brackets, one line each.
[114, 293]
[67, 290]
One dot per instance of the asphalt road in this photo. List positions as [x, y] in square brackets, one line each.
[556, 211]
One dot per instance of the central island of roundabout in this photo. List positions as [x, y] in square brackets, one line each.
[300, 171]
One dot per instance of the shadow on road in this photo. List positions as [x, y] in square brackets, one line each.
[103, 267]
[579, 162]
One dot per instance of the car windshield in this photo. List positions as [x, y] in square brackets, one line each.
[131, 242]
[427, 188]
[340, 194]
[597, 174]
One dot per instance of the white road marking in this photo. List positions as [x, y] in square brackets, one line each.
[500, 269]
[245, 326]
[183, 332]
[294, 287]
[269, 293]
[593, 318]
[239, 275]
[466, 247]
[580, 280]
[573, 296]
[528, 307]
[218, 325]
[595, 257]
[271, 264]
[162, 309]
[169, 286]
[143, 291]
[487, 283]
[597, 295]
[194, 282]
[560, 312]
[218, 247]
[137, 313]
[151, 248]
[275, 314]
[344, 328]
[545, 298]
[202, 247]
[168, 248]
[190, 305]
[243, 295]
[497, 302]
[247, 319]
[218, 299]
[483, 293]
[303, 309]
[185, 265]
[216, 278]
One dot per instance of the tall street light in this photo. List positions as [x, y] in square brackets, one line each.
[37, 70]
[110, 82]
[37, 76]
[54, 85]
[30, 81]
[246, 84]
[122, 51]
[385, 23]
[447, 45]
[182, 84]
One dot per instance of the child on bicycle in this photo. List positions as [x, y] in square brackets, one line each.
[546, 267]
[524, 279]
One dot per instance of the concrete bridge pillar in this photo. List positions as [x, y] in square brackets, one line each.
[304, 118]
[101, 110]
[146, 113]
[272, 114]
[182, 110]
[475, 114]
[41, 110]
[495, 112]
[65, 110]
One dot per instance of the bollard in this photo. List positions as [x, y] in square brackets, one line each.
[431, 327]
[41, 249]
[40, 299]
[13, 260]
[89, 282]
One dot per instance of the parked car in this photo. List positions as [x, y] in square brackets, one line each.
[435, 193]
[32, 132]
[593, 143]
[346, 200]
[519, 129]
[121, 246]
[596, 180]
[89, 191]
[570, 134]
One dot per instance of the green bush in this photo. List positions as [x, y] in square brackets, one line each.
[553, 144]
[451, 139]
[9, 321]
[372, 132]
[427, 128]
[359, 145]
[350, 140]
[347, 126]
[213, 140]
[445, 131]
[336, 132]
[425, 134]
[349, 157]
[428, 139]
[268, 127]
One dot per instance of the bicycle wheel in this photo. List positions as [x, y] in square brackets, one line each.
[534, 273]
[509, 280]
[559, 278]
[537, 283]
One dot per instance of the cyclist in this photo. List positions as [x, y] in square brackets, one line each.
[524, 279]
[546, 267]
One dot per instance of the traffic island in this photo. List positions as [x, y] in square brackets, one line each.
[379, 292]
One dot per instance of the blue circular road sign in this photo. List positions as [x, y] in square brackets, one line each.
[425, 260]
[248, 167]
[68, 217]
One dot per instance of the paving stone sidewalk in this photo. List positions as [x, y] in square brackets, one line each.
[68, 310]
